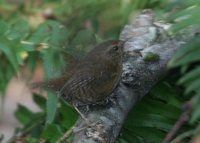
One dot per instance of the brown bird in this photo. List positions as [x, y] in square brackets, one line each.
[93, 79]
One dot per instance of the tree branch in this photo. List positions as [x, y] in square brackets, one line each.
[139, 75]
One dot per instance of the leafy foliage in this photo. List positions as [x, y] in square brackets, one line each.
[187, 58]
[77, 26]
[187, 16]
[152, 118]
[12, 52]
[52, 133]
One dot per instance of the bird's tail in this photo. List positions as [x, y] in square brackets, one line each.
[54, 84]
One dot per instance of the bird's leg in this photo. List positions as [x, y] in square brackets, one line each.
[82, 116]
[93, 125]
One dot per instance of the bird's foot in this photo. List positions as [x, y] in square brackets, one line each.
[95, 126]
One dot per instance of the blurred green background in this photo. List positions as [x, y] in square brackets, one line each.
[43, 34]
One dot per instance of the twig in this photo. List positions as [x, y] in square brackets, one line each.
[66, 135]
[183, 119]
[182, 136]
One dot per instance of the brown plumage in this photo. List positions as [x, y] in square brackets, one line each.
[94, 78]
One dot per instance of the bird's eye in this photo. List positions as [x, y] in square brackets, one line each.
[116, 48]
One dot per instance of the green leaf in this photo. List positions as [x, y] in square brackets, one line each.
[35, 126]
[196, 111]
[147, 121]
[149, 134]
[23, 114]
[40, 101]
[187, 17]
[52, 133]
[152, 106]
[189, 77]
[184, 68]
[69, 115]
[48, 61]
[3, 27]
[5, 75]
[122, 140]
[128, 137]
[50, 32]
[19, 30]
[31, 61]
[53, 62]
[58, 34]
[52, 102]
[150, 120]
[10, 56]
[188, 54]
[195, 85]
[31, 140]
[40, 35]
[166, 92]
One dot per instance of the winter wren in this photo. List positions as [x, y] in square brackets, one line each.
[92, 80]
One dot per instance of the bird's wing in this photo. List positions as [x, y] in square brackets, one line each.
[79, 87]
[88, 86]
